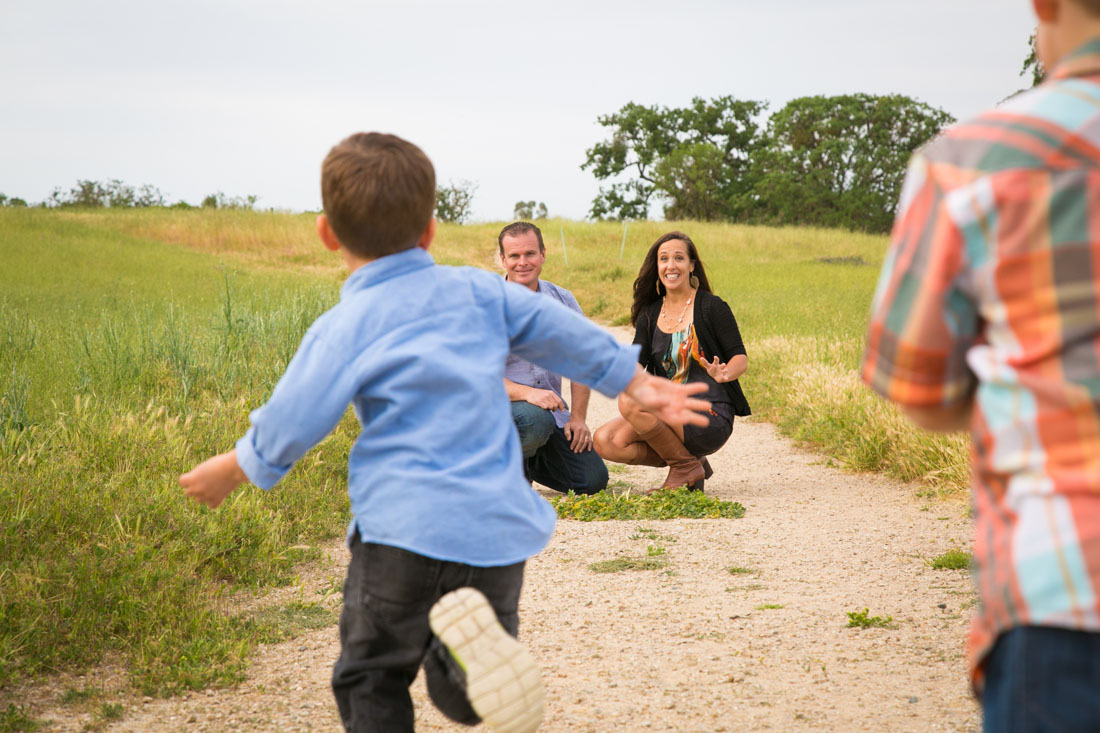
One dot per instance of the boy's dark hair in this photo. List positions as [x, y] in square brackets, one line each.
[518, 229]
[1091, 6]
[378, 192]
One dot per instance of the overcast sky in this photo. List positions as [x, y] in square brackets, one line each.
[247, 97]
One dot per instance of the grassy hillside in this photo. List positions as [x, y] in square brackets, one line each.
[133, 343]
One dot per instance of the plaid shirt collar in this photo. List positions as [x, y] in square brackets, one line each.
[1084, 61]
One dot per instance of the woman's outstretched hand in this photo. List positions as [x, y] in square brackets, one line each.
[669, 401]
[727, 372]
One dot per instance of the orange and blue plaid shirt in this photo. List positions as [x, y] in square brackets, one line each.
[991, 290]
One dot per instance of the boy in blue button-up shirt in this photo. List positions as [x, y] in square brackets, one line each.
[439, 502]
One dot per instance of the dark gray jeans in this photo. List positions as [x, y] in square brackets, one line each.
[385, 637]
[547, 457]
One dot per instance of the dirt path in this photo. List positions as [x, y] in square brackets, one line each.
[691, 646]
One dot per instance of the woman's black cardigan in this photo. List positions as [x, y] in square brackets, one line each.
[718, 335]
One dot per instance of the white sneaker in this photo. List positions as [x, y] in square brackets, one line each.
[503, 681]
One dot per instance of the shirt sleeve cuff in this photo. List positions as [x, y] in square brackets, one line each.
[259, 472]
[621, 372]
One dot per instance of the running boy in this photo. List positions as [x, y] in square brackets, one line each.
[439, 503]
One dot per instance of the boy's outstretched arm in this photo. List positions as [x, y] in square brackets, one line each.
[669, 401]
[213, 479]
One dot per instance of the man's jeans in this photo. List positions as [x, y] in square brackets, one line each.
[547, 457]
[385, 636]
[1040, 678]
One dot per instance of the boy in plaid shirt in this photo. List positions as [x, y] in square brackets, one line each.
[987, 318]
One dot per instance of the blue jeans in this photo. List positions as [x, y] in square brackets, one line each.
[1040, 678]
[385, 636]
[547, 457]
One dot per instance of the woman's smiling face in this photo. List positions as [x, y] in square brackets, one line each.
[674, 265]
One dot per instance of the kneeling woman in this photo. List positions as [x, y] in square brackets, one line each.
[687, 334]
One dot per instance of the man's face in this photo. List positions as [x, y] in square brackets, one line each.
[522, 259]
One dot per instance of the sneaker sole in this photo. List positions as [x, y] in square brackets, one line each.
[503, 681]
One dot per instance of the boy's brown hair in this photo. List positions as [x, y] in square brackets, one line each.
[378, 193]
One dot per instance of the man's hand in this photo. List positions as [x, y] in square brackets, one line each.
[213, 479]
[670, 402]
[545, 399]
[578, 434]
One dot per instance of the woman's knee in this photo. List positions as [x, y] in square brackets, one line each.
[601, 441]
[608, 440]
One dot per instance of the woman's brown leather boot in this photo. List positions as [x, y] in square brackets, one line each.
[684, 469]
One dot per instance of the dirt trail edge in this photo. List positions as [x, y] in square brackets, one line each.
[692, 646]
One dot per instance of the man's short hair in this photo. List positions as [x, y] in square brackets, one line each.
[1092, 7]
[378, 192]
[518, 229]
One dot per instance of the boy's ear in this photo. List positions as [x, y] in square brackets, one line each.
[1045, 10]
[324, 231]
[427, 235]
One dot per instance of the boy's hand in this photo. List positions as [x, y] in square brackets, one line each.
[667, 400]
[213, 479]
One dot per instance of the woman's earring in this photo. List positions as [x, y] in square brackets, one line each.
[694, 281]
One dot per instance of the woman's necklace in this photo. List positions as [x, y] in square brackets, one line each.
[679, 320]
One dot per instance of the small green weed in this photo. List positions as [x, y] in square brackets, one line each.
[15, 718]
[862, 620]
[334, 586]
[648, 533]
[283, 622]
[951, 560]
[619, 564]
[608, 505]
[735, 570]
[747, 588]
[769, 606]
[74, 696]
[111, 711]
[654, 551]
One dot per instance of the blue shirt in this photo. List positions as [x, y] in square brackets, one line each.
[521, 371]
[418, 350]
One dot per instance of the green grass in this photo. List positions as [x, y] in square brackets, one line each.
[861, 619]
[111, 711]
[769, 606]
[608, 505]
[15, 718]
[287, 621]
[74, 696]
[952, 560]
[123, 363]
[735, 570]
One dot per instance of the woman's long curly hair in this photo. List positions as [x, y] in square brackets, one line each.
[648, 287]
